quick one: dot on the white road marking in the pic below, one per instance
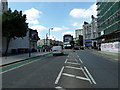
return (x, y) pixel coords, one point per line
(66, 60)
(73, 63)
(86, 75)
(76, 60)
(72, 59)
(73, 67)
(80, 60)
(59, 75)
(60, 88)
(90, 75)
(74, 76)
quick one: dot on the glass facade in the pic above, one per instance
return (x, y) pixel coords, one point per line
(108, 17)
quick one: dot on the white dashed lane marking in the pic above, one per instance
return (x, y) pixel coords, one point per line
(73, 67)
(70, 58)
(73, 63)
(74, 76)
(56, 81)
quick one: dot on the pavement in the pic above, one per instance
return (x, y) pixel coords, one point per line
(110, 55)
(20, 57)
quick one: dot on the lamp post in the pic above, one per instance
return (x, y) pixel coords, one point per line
(46, 37)
(49, 31)
(30, 43)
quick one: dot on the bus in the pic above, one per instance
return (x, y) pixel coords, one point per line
(66, 40)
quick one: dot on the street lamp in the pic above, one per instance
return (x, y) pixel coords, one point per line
(46, 37)
(49, 31)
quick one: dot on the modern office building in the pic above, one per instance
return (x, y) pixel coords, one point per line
(109, 24)
(109, 20)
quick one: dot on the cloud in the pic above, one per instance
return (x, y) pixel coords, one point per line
(60, 28)
(84, 13)
(70, 32)
(32, 15)
(77, 25)
(38, 27)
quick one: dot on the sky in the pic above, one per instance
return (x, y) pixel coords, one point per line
(63, 17)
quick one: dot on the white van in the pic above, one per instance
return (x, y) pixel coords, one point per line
(57, 50)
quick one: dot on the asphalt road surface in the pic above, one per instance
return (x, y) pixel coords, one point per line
(75, 69)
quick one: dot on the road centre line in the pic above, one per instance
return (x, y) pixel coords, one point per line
(86, 75)
(76, 60)
(78, 55)
(80, 60)
(59, 75)
(66, 60)
(74, 76)
(73, 67)
(73, 63)
(90, 75)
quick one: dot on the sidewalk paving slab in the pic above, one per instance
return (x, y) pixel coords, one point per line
(20, 57)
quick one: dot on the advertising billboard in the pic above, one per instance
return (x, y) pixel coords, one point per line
(68, 38)
(111, 47)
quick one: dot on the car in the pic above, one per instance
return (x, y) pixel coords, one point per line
(57, 50)
(76, 47)
(82, 47)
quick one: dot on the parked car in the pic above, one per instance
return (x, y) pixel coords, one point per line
(57, 50)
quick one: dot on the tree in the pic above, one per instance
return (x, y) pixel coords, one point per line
(72, 43)
(13, 26)
(80, 42)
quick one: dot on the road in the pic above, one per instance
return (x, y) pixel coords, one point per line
(75, 69)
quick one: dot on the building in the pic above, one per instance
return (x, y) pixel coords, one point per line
(109, 24)
(78, 35)
(90, 33)
(3, 5)
(87, 34)
(94, 32)
(22, 45)
(42, 42)
(78, 32)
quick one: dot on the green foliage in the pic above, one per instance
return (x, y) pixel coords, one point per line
(79, 42)
(14, 24)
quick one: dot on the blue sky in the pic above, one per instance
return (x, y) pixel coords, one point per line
(64, 17)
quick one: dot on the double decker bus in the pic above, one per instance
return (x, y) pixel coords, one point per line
(67, 38)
